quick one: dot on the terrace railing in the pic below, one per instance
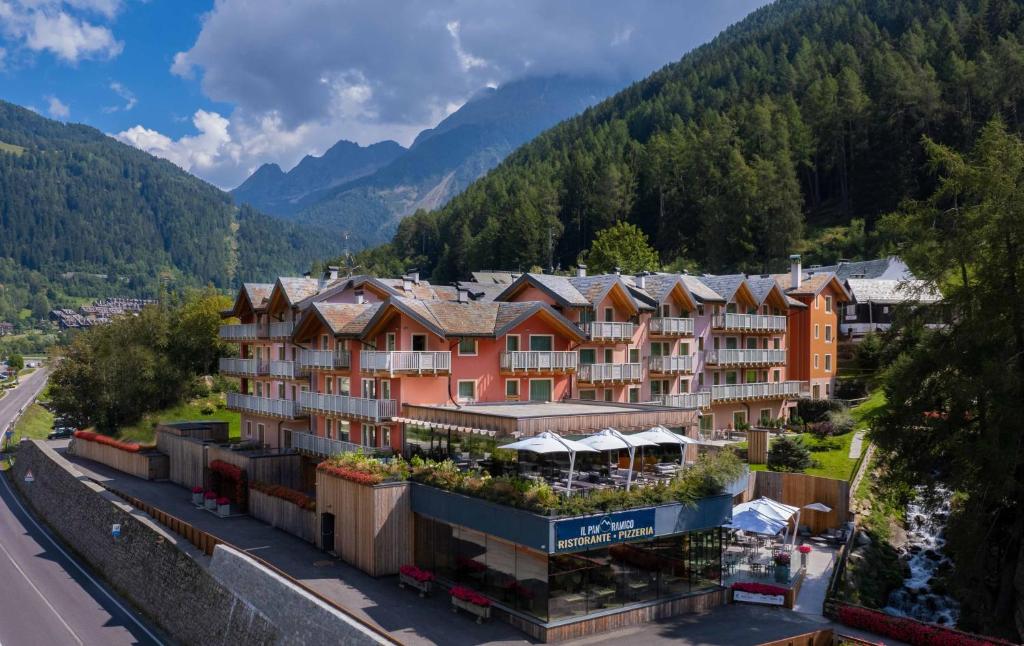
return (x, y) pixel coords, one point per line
(242, 332)
(537, 361)
(281, 329)
(405, 362)
(283, 408)
(371, 409)
(243, 367)
(673, 364)
(701, 399)
(325, 359)
(288, 369)
(325, 446)
(749, 322)
(610, 330)
(609, 372)
(666, 326)
(730, 357)
(760, 390)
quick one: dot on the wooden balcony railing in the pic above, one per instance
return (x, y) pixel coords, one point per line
(529, 361)
(283, 408)
(610, 372)
(670, 365)
(361, 407)
(405, 362)
(749, 322)
(665, 326)
(731, 357)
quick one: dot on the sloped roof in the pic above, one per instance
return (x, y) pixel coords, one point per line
(483, 292)
(701, 291)
(296, 290)
(595, 288)
(495, 277)
(891, 268)
(884, 291)
(558, 287)
(347, 319)
(473, 318)
(810, 284)
(257, 293)
(725, 286)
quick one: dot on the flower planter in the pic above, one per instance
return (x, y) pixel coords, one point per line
(197, 499)
(223, 510)
(782, 573)
(424, 587)
(481, 612)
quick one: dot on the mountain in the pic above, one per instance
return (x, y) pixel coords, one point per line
(74, 201)
(441, 162)
(793, 130)
(273, 191)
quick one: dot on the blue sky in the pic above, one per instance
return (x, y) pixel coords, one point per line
(222, 87)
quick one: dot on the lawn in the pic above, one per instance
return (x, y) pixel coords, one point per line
(11, 148)
(831, 454)
(35, 424)
(144, 432)
(866, 411)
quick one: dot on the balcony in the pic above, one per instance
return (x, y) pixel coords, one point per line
(325, 446)
(282, 408)
(610, 331)
(325, 359)
(670, 365)
(538, 362)
(241, 367)
(593, 373)
(691, 401)
(241, 332)
(663, 326)
(288, 370)
(370, 409)
(753, 323)
(745, 357)
(281, 329)
(406, 363)
(761, 390)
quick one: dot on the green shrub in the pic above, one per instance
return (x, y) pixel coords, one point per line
(789, 454)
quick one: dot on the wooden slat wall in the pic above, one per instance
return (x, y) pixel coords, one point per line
(373, 526)
(187, 457)
(272, 468)
(799, 489)
(283, 515)
(149, 466)
(206, 430)
(757, 446)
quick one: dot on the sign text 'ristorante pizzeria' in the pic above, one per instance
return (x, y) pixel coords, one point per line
(576, 534)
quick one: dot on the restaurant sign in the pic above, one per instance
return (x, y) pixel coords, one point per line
(574, 534)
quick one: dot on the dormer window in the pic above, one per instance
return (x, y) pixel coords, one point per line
(609, 314)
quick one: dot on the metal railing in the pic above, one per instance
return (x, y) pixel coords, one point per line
(325, 359)
(374, 409)
(729, 357)
(281, 329)
(235, 366)
(615, 330)
(288, 369)
(538, 361)
(759, 390)
(750, 322)
(598, 372)
(672, 326)
(670, 364)
(700, 399)
(285, 408)
(405, 362)
(325, 446)
(241, 332)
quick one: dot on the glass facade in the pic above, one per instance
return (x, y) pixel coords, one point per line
(560, 586)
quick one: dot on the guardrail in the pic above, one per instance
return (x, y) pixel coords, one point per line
(407, 361)
(602, 372)
(325, 359)
(760, 390)
(749, 322)
(285, 408)
(671, 326)
(751, 357)
(670, 364)
(325, 446)
(241, 332)
(700, 399)
(235, 366)
(374, 409)
(610, 330)
(288, 369)
(281, 329)
(538, 361)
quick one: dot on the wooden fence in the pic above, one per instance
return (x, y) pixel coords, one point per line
(274, 466)
(373, 526)
(187, 456)
(149, 465)
(284, 515)
(799, 489)
(200, 430)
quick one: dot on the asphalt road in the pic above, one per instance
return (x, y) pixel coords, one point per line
(46, 596)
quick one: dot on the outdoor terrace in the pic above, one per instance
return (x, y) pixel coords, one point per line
(538, 362)
(242, 332)
(610, 331)
(281, 329)
(692, 401)
(760, 390)
(370, 409)
(288, 370)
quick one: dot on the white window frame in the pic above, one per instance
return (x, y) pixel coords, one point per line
(629, 394)
(609, 314)
(385, 389)
(329, 428)
(828, 334)
(366, 433)
(541, 336)
(547, 379)
(476, 347)
(458, 390)
(390, 341)
(248, 428)
(815, 360)
(828, 304)
(828, 362)
(517, 394)
(261, 432)
(519, 342)
(816, 331)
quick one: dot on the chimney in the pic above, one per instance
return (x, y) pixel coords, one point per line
(618, 271)
(360, 299)
(414, 276)
(407, 283)
(795, 273)
(463, 294)
(641, 280)
(581, 270)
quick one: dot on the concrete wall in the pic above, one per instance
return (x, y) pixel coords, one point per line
(300, 617)
(145, 565)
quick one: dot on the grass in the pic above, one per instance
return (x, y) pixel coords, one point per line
(868, 410)
(832, 455)
(11, 148)
(35, 424)
(144, 433)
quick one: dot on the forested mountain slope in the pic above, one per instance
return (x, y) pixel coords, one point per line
(74, 199)
(804, 116)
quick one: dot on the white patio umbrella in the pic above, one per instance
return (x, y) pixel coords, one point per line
(814, 506)
(755, 523)
(661, 435)
(769, 508)
(548, 442)
(611, 440)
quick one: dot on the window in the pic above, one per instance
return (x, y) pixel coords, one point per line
(817, 303)
(280, 353)
(540, 390)
(261, 431)
(659, 387)
(731, 378)
(389, 342)
(666, 310)
(329, 385)
(661, 349)
(343, 430)
(280, 391)
(828, 304)
(828, 363)
(542, 343)
(815, 361)
(341, 386)
(248, 429)
(588, 395)
(512, 389)
(419, 342)
(324, 342)
(634, 395)
(776, 375)
(700, 379)
(684, 385)
(715, 378)
(634, 355)
(259, 388)
(609, 355)
(739, 418)
(609, 314)
(467, 348)
(369, 435)
(329, 428)
(700, 310)
(467, 390)
(608, 394)
(815, 330)
(385, 436)
(828, 390)
(828, 334)
(750, 377)
(368, 389)
(777, 343)
(588, 356)
(385, 389)
(512, 343)
(700, 344)
(764, 416)
(707, 422)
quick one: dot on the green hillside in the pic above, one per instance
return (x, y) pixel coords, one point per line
(75, 200)
(794, 130)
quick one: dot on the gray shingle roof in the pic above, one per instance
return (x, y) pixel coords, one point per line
(701, 291)
(884, 291)
(724, 286)
(889, 268)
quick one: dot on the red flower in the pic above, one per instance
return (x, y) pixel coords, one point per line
(470, 596)
(758, 588)
(226, 469)
(90, 436)
(804, 549)
(353, 475)
(414, 572)
(284, 493)
(223, 501)
(909, 630)
(210, 495)
(197, 489)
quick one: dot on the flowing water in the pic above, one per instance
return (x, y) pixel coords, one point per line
(923, 555)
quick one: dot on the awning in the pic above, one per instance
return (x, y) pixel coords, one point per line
(446, 427)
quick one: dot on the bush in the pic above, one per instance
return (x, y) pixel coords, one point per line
(789, 454)
(815, 410)
(130, 447)
(207, 410)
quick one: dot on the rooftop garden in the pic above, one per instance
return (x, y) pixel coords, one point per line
(708, 477)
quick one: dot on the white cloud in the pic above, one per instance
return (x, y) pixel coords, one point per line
(57, 108)
(129, 98)
(194, 153)
(57, 27)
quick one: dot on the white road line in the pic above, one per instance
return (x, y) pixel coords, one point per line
(67, 556)
(40, 593)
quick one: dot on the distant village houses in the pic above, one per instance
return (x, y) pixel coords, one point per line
(6, 328)
(100, 312)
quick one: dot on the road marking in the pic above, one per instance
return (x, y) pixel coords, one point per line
(253, 549)
(67, 556)
(40, 593)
